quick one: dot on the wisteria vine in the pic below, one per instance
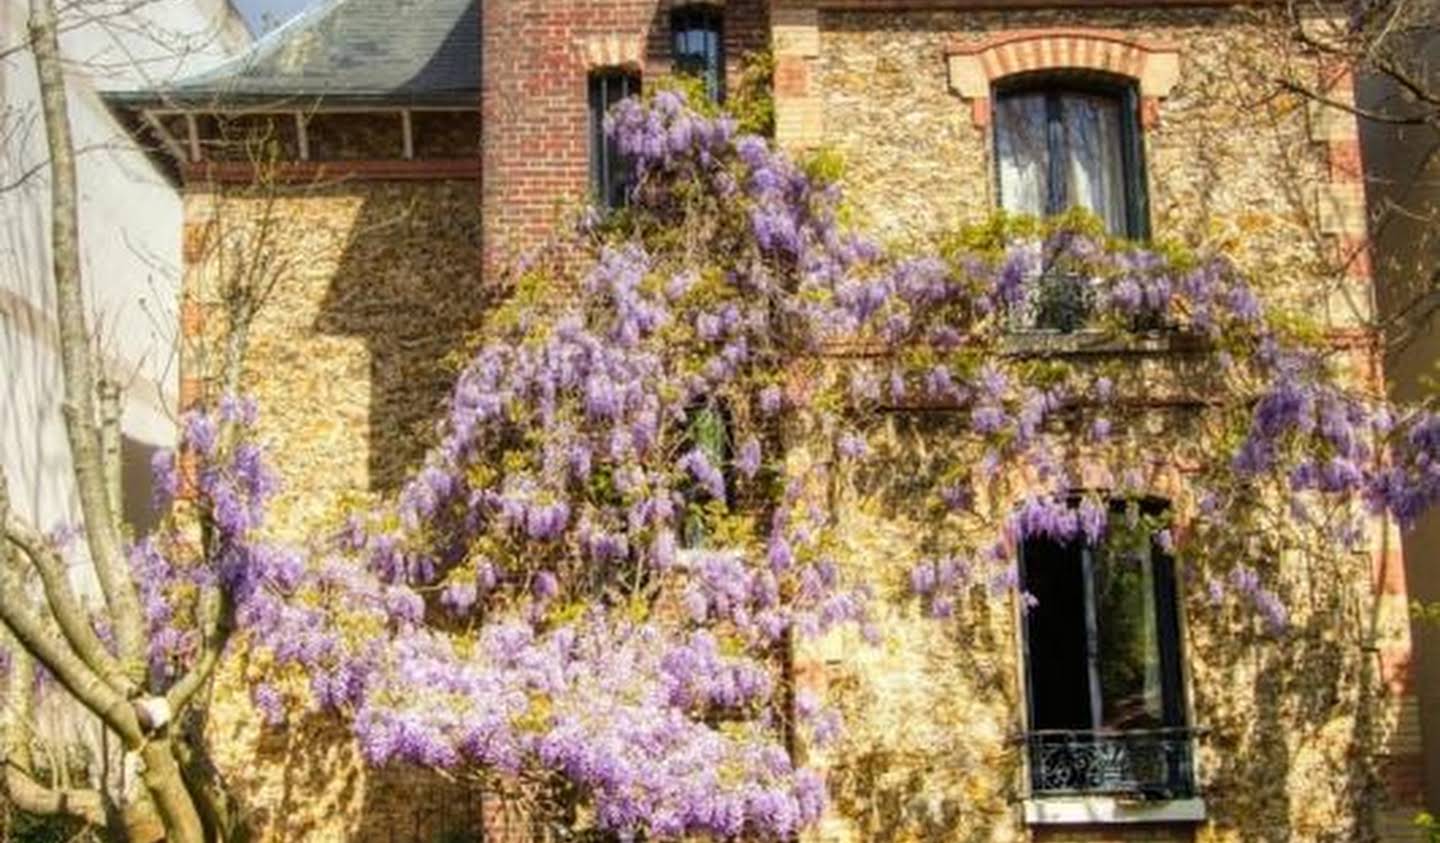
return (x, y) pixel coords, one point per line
(536, 576)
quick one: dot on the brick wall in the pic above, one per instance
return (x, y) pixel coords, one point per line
(537, 55)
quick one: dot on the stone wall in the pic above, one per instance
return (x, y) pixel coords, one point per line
(377, 290)
(1311, 738)
(1230, 162)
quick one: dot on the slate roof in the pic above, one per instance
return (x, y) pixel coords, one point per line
(355, 51)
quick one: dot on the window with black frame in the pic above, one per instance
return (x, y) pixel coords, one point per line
(609, 171)
(1104, 680)
(1070, 142)
(699, 45)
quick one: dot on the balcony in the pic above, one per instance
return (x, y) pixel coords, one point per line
(1056, 302)
(1150, 764)
(1061, 301)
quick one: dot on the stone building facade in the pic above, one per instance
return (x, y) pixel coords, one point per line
(397, 195)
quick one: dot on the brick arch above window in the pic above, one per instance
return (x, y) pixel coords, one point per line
(975, 67)
(597, 52)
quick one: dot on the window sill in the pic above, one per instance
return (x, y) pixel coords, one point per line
(1100, 810)
(1040, 343)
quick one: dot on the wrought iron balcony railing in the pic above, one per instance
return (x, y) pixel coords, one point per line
(1056, 301)
(1150, 764)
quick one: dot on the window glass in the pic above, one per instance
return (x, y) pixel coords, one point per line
(1128, 641)
(609, 171)
(1022, 151)
(1094, 159)
(1059, 662)
(1057, 148)
(1102, 640)
(698, 46)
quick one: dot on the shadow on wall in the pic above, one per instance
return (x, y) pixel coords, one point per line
(1291, 725)
(408, 284)
(138, 484)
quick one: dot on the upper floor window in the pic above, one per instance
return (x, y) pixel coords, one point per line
(1071, 144)
(609, 171)
(1102, 651)
(699, 45)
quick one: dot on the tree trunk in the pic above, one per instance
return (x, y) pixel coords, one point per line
(94, 487)
(172, 799)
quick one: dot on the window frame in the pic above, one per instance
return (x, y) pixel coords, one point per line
(1056, 84)
(610, 173)
(700, 17)
(1176, 716)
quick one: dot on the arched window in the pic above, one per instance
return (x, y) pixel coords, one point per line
(609, 171)
(699, 45)
(1071, 141)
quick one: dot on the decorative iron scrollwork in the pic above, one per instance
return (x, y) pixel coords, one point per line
(1054, 301)
(1152, 764)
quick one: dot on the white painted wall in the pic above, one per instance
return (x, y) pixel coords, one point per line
(130, 225)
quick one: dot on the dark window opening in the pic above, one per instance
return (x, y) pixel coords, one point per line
(1102, 644)
(610, 172)
(699, 48)
(707, 429)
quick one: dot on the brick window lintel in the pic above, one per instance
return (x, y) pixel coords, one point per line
(974, 67)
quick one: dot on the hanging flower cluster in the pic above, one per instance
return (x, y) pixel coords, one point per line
(530, 604)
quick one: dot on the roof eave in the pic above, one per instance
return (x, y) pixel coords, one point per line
(220, 100)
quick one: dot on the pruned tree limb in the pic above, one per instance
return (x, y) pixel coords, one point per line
(32, 797)
(67, 668)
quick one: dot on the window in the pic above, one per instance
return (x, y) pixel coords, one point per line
(1076, 144)
(699, 45)
(1102, 651)
(707, 429)
(609, 171)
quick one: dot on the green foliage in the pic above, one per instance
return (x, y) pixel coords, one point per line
(824, 165)
(1429, 827)
(994, 234)
(1425, 613)
(691, 87)
(752, 102)
(21, 827)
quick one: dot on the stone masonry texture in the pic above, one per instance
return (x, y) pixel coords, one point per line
(1311, 739)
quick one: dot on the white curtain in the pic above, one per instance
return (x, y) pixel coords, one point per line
(1022, 152)
(1095, 170)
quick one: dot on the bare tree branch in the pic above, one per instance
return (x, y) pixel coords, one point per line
(1366, 113)
(69, 614)
(17, 780)
(101, 524)
(41, 643)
